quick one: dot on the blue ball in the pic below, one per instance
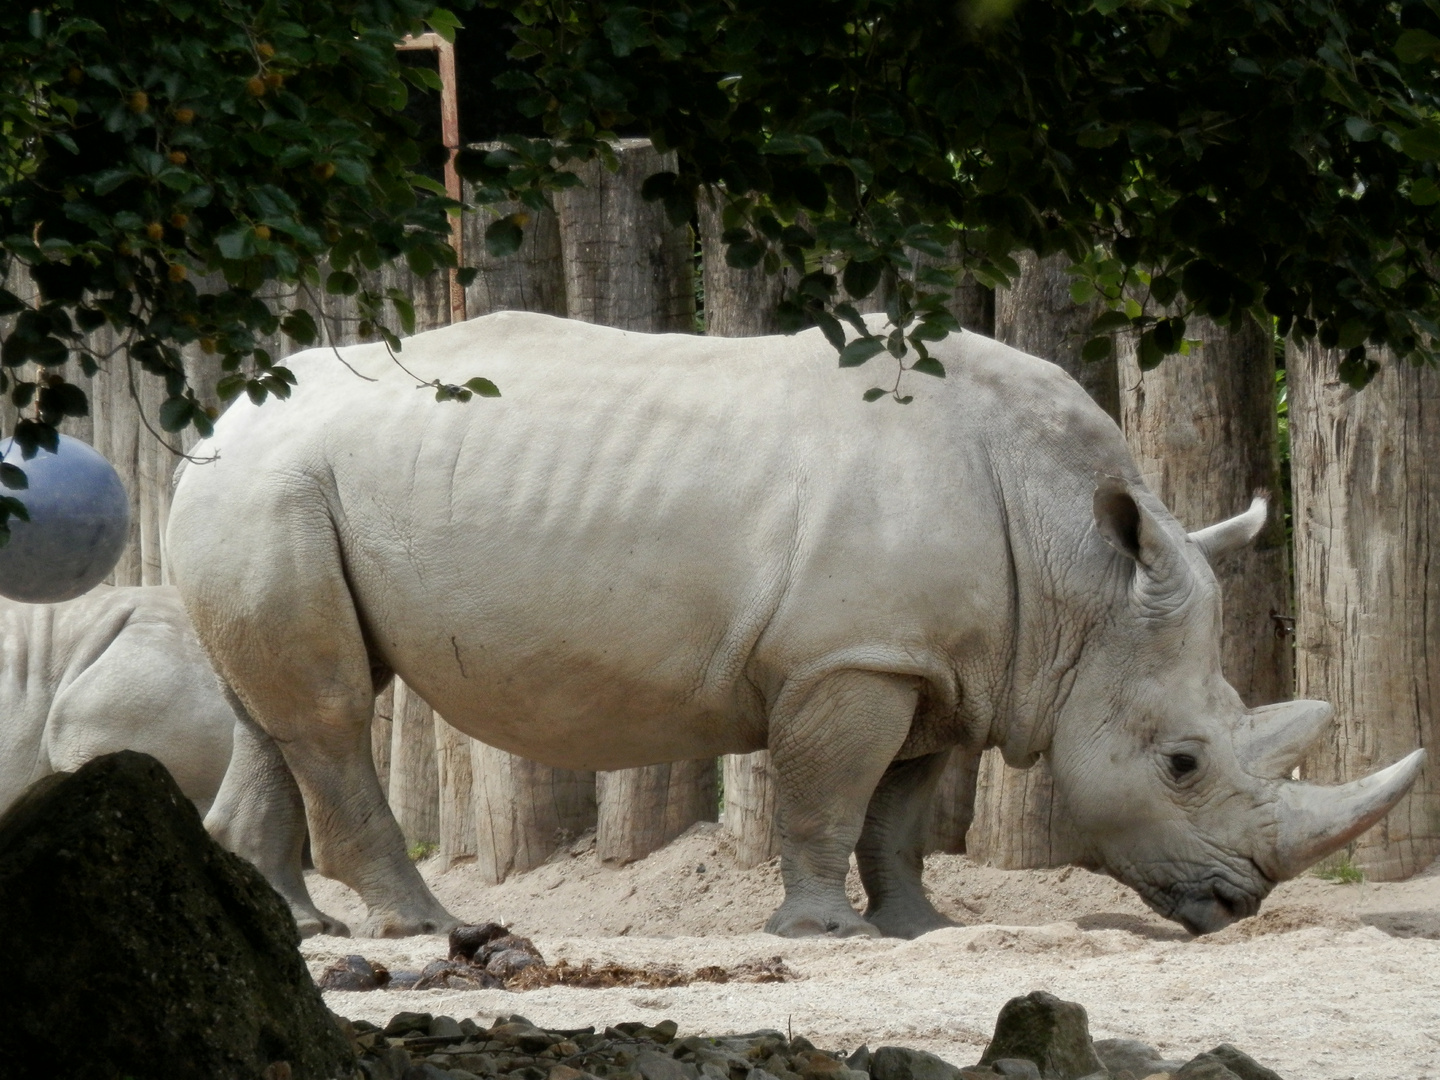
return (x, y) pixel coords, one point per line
(79, 522)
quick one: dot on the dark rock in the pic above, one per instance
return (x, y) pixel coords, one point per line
(403, 980)
(1241, 1064)
(353, 973)
(466, 941)
(135, 945)
(655, 1066)
(1020, 1068)
(859, 1060)
(1130, 1059)
(898, 1063)
(455, 975)
(1054, 1034)
(407, 1023)
(1204, 1067)
(509, 962)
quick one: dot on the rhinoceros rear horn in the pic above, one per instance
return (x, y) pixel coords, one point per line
(1271, 740)
(1316, 820)
(1233, 533)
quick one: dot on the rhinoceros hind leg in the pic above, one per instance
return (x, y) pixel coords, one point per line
(830, 743)
(891, 851)
(258, 814)
(278, 617)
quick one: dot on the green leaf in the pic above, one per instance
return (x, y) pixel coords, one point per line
(1422, 142)
(1360, 130)
(342, 283)
(13, 477)
(745, 255)
(928, 365)
(875, 393)
(175, 413)
(503, 237)
(483, 387)
(110, 179)
(1424, 191)
(861, 278)
(1415, 45)
(1097, 349)
(1082, 291)
(860, 350)
(1110, 321)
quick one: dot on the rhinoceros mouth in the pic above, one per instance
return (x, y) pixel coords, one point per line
(1206, 904)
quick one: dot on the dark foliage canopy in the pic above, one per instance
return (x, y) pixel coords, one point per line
(1236, 158)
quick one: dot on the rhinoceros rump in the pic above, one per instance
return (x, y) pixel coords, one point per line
(120, 669)
(655, 548)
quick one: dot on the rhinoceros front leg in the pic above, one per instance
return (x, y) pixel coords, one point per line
(830, 744)
(259, 815)
(891, 851)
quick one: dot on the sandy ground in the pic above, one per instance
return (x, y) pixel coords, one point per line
(1328, 982)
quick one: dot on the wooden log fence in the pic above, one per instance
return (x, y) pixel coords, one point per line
(1366, 602)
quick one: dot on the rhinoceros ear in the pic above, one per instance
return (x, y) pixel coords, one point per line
(1131, 529)
(1233, 533)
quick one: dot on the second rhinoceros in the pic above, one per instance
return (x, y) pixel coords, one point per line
(655, 548)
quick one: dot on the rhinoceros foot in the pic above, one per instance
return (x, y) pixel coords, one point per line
(312, 921)
(908, 921)
(810, 920)
(389, 924)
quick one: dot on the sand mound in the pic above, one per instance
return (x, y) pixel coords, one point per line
(1328, 982)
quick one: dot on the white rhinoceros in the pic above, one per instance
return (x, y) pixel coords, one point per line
(655, 548)
(120, 669)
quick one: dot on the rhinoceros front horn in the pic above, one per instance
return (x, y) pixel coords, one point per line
(1316, 820)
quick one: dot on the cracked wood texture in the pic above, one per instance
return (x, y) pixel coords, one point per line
(1366, 477)
(1203, 433)
(1016, 824)
(642, 810)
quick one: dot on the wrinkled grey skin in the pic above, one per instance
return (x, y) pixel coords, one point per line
(120, 669)
(115, 669)
(659, 548)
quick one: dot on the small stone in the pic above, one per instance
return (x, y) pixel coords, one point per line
(407, 1023)
(1204, 1067)
(1131, 1059)
(403, 980)
(655, 1066)
(1241, 1064)
(462, 1074)
(445, 1026)
(353, 973)
(898, 1063)
(565, 1072)
(1053, 1034)
(425, 1071)
(859, 1060)
(1020, 1068)
(466, 941)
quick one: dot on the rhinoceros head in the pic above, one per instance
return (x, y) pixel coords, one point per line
(1172, 785)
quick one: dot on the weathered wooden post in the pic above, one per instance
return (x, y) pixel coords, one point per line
(1365, 468)
(414, 775)
(524, 811)
(455, 779)
(1015, 826)
(1203, 433)
(626, 266)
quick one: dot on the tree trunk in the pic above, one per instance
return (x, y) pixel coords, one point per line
(738, 303)
(625, 264)
(1203, 433)
(1015, 826)
(524, 810)
(954, 807)
(531, 279)
(752, 807)
(1366, 474)
(457, 804)
(414, 778)
(642, 810)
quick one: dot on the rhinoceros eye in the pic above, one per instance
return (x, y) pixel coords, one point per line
(1181, 765)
